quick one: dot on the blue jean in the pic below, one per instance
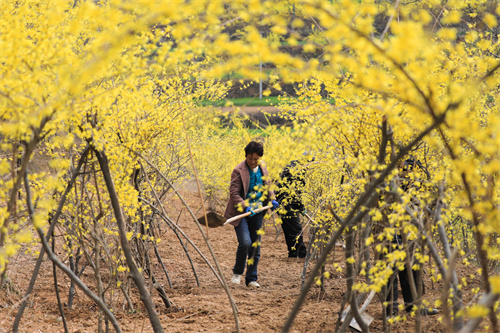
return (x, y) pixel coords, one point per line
(246, 232)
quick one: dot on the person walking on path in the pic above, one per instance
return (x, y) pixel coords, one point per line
(288, 193)
(249, 190)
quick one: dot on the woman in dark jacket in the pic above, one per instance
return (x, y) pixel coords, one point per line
(247, 192)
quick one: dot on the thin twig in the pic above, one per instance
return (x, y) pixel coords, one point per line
(222, 280)
(53, 223)
(65, 268)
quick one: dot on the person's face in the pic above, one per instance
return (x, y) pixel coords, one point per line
(253, 160)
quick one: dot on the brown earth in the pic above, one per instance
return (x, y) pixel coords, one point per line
(204, 307)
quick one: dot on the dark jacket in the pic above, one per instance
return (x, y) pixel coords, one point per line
(289, 188)
(238, 190)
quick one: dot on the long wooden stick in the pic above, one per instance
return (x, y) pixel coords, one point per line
(237, 217)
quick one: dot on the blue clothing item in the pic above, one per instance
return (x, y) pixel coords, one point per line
(275, 204)
(246, 232)
(255, 188)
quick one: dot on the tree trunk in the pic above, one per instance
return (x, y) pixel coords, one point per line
(127, 251)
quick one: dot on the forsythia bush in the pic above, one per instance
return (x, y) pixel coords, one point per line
(377, 83)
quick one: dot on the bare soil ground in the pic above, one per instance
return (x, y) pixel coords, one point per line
(203, 308)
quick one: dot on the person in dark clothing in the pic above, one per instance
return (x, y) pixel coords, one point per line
(403, 276)
(404, 282)
(288, 194)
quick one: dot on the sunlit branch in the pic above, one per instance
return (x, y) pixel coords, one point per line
(65, 268)
(233, 304)
(53, 223)
(357, 212)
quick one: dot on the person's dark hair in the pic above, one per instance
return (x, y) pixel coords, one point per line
(254, 147)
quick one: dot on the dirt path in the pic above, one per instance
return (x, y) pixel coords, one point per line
(203, 308)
